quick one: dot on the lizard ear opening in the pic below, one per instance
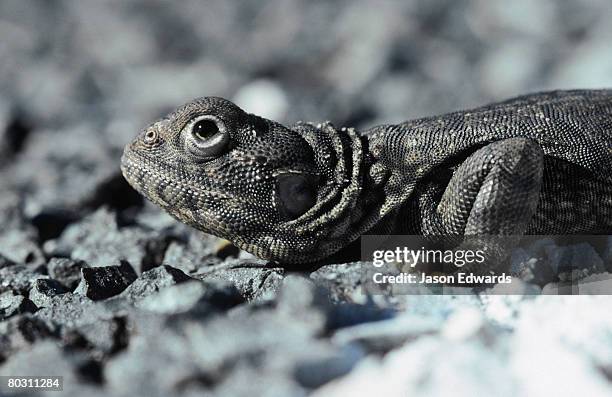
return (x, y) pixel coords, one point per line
(295, 194)
(206, 137)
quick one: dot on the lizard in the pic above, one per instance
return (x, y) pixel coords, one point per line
(535, 164)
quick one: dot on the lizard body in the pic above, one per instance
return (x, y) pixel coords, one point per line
(536, 164)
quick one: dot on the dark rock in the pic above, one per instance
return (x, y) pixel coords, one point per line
(114, 193)
(14, 132)
(50, 223)
(44, 289)
(103, 282)
(67, 271)
(12, 303)
(152, 281)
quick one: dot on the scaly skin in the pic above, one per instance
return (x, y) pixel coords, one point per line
(537, 164)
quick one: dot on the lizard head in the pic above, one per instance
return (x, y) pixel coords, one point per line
(285, 194)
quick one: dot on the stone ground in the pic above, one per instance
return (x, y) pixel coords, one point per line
(102, 288)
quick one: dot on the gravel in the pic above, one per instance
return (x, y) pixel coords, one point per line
(101, 287)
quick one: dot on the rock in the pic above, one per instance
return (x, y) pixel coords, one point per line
(47, 358)
(49, 222)
(20, 246)
(342, 280)
(98, 240)
(575, 261)
(77, 160)
(253, 280)
(18, 278)
(66, 271)
(12, 303)
(349, 314)
(561, 288)
(14, 131)
(44, 289)
(152, 281)
(103, 338)
(297, 293)
(71, 310)
(437, 367)
(84, 325)
(252, 327)
(103, 282)
(316, 371)
(574, 343)
(595, 284)
(382, 336)
(533, 270)
(21, 331)
(304, 302)
(607, 255)
(464, 324)
(190, 256)
(516, 286)
(136, 369)
(240, 383)
(5, 262)
(11, 210)
(192, 296)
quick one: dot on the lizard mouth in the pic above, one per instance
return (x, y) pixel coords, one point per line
(153, 181)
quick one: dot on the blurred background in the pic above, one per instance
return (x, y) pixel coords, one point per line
(78, 79)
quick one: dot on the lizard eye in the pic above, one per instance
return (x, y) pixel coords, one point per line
(296, 194)
(206, 137)
(150, 136)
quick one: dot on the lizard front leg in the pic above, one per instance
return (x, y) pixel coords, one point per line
(494, 191)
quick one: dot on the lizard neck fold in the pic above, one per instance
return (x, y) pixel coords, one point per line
(339, 157)
(349, 198)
